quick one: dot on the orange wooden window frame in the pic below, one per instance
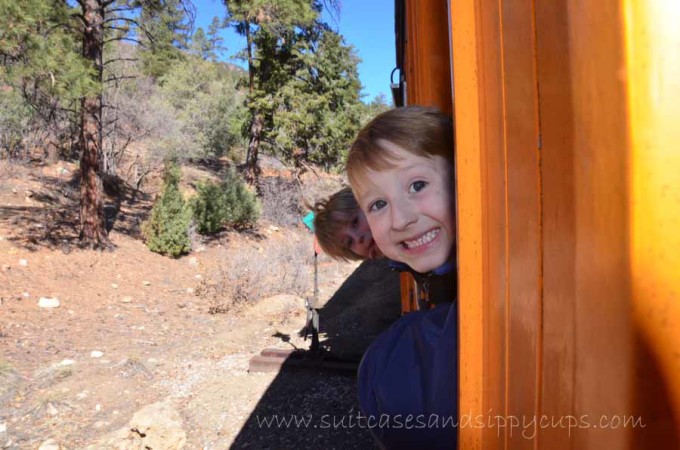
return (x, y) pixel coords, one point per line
(566, 127)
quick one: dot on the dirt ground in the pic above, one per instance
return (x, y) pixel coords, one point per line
(132, 329)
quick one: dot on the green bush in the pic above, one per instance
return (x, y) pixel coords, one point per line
(228, 204)
(167, 230)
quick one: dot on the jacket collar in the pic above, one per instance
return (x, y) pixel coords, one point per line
(444, 269)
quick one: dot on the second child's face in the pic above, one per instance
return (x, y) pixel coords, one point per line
(357, 237)
(409, 209)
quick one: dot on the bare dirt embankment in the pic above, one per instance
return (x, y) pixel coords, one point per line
(133, 328)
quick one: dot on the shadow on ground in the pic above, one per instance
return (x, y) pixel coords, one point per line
(52, 219)
(311, 408)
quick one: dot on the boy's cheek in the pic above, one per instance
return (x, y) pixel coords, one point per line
(384, 247)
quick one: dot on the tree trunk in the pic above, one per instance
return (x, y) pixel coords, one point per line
(92, 223)
(252, 170)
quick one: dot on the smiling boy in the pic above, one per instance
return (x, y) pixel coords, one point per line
(341, 228)
(408, 207)
(401, 170)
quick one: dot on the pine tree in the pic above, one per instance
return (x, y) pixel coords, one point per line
(41, 59)
(167, 230)
(269, 29)
(304, 90)
(318, 111)
(53, 46)
(165, 27)
(215, 40)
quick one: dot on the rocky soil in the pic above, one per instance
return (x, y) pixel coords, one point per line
(119, 349)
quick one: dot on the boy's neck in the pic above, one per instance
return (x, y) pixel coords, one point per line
(445, 268)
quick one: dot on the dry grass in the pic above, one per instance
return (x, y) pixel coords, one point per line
(315, 188)
(282, 264)
(281, 201)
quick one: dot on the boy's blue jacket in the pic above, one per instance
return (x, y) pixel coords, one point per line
(408, 379)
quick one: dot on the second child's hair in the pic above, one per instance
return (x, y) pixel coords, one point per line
(419, 130)
(330, 217)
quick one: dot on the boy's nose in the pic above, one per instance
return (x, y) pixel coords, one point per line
(402, 216)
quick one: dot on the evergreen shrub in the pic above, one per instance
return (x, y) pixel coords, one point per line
(227, 204)
(167, 230)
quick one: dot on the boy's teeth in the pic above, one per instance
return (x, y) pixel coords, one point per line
(422, 240)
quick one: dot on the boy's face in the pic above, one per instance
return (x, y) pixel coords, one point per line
(357, 237)
(410, 210)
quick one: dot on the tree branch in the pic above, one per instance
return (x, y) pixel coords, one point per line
(123, 77)
(106, 41)
(109, 61)
(121, 9)
(124, 19)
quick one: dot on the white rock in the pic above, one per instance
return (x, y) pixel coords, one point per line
(126, 299)
(23, 262)
(98, 407)
(3, 427)
(25, 294)
(66, 362)
(198, 276)
(190, 290)
(114, 285)
(146, 283)
(193, 261)
(52, 410)
(96, 354)
(47, 302)
(157, 426)
(49, 444)
(161, 425)
(81, 395)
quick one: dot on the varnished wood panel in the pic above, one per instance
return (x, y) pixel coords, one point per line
(427, 60)
(523, 209)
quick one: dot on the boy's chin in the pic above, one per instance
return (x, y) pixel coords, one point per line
(423, 268)
(424, 265)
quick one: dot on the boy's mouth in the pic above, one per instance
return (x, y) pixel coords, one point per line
(422, 240)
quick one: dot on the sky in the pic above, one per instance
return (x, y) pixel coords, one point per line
(368, 25)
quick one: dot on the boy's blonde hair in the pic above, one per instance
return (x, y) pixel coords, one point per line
(419, 130)
(330, 217)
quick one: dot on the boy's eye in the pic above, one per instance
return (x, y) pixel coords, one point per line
(379, 204)
(417, 186)
(355, 222)
(348, 243)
